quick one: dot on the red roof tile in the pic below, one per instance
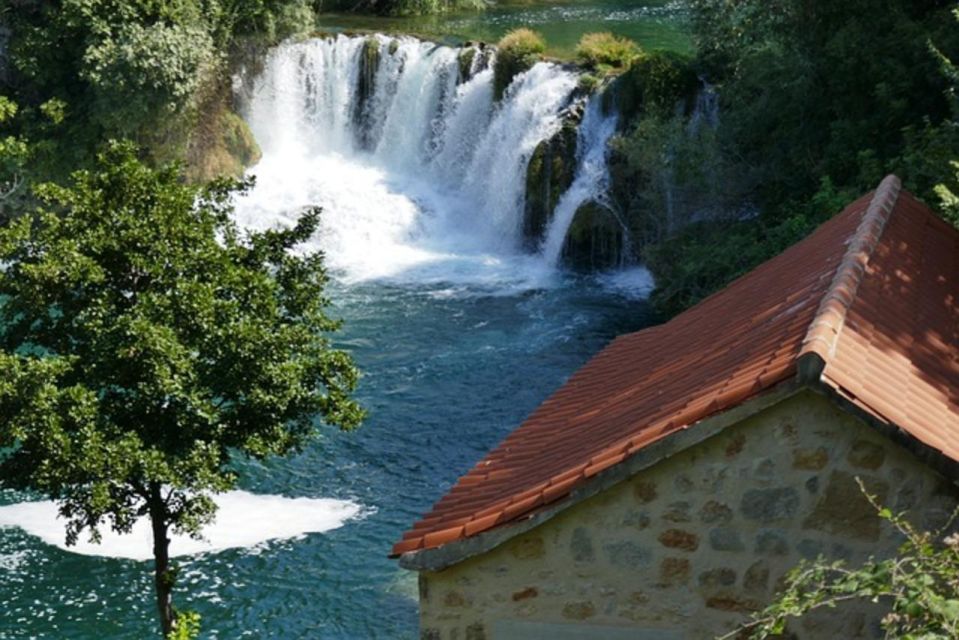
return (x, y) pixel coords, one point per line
(873, 295)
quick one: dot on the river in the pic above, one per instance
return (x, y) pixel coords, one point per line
(460, 331)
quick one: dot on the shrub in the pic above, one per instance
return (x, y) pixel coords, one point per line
(141, 74)
(606, 52)
(518, 50)
(655, 81)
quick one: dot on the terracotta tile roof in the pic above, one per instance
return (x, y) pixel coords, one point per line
(871, 296)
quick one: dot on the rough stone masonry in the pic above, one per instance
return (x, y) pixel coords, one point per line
(694, 543)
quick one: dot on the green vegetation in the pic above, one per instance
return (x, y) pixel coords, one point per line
(818, 102)
(920, 586)
(83, 72)
(515, 53)
(145, 342)
(605, 52)
(14, 153)
(655, 84)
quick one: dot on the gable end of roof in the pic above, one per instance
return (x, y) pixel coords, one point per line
(819, 343)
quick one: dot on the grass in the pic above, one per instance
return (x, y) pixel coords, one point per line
(516, 52)
(606, 52)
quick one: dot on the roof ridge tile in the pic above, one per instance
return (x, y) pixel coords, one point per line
(819, 344)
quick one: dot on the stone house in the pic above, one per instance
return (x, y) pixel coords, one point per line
(667, 486)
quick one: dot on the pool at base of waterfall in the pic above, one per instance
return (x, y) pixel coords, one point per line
(459, 327)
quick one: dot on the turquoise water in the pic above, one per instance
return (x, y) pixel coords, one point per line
(654, 24)
(448, 373)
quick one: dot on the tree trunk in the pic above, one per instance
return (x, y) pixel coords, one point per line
(163, 576)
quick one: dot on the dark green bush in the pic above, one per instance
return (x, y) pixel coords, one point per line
(655, 81)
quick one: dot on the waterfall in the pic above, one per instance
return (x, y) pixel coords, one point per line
(420, 173)
(592, 176)
(706, 110)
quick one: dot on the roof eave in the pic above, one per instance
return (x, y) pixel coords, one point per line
(439, 558)
(929, 456)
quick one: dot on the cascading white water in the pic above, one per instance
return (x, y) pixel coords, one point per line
(423, 180)
(592, 176)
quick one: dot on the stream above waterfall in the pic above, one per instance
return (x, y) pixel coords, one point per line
(653, 24)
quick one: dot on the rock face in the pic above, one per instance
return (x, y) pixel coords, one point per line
(595, 240)
(366, 84)
(549, 174)
(657, 81)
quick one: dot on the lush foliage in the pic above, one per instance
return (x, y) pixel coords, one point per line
(125, 68)
(14, 153)
(819, 100)
(606, 52)
(920, 587)
(146, 341)
(516, 52)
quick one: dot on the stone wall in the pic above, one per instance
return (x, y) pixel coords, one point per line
(697, 541)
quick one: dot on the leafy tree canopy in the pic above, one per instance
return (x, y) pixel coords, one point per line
(145, 341)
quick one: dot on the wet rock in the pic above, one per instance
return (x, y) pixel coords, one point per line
(595, 240)
(365, 87)
(465, 63)
(549, 174)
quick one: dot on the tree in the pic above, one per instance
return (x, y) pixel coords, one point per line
(920, 585)
(145, 341)
(14, 153)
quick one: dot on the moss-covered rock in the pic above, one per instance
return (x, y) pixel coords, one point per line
(655, 81)
(549, 174)
(465, 61)
(221, 146)
(366, 86)
(595, 239)
(516, 52)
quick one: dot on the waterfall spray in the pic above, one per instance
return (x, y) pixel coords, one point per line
(420, 173)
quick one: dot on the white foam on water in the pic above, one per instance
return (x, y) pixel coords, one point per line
(633, 283)
(243, 520)
(422, 185)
